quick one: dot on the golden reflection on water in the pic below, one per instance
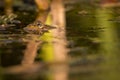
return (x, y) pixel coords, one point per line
(8, 6)
(108, 69)
(108, 47)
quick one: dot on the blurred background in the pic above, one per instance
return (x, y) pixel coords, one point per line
(84, 45)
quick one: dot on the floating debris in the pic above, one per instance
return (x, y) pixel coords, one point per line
(7, 21)
(83, 12)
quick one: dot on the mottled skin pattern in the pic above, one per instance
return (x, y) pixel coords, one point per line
(37, 27)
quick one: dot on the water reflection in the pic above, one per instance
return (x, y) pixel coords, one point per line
(109, 44)
(94, 49)
(102, 62)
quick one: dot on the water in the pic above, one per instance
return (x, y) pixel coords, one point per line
(93, 36)
(94, 42)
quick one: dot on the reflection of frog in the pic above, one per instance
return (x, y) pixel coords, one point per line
(38, 27)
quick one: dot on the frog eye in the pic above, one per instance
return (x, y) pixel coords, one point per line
(39, 24)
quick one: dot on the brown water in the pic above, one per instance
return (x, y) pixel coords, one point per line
(93, 36)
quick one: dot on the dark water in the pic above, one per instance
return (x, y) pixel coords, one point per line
(93, 36)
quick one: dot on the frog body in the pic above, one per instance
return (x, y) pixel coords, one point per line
(38, 27)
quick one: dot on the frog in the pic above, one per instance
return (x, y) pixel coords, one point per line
(38, 28)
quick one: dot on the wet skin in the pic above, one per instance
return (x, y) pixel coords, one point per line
(38, 27)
